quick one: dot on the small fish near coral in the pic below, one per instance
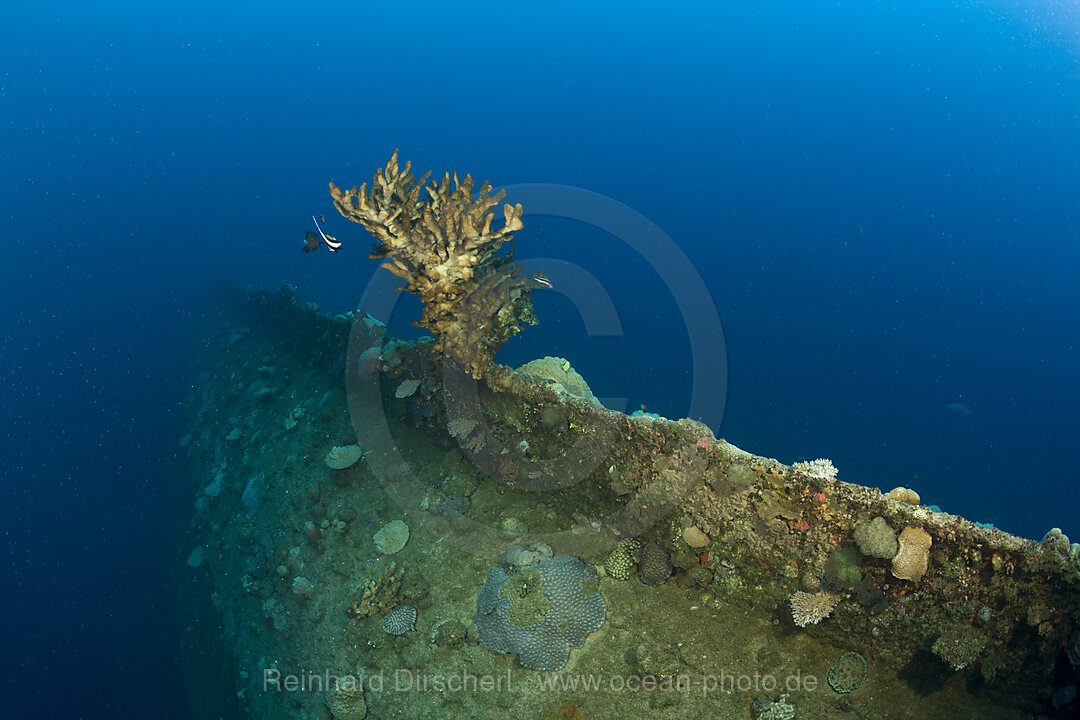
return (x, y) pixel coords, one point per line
(312, 240)
(541, 280)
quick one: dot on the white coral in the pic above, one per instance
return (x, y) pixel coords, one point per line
(820, 469)
(812, 608)
(406, 389)
(343, 456)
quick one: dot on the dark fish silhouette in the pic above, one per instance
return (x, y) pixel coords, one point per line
(958, 408)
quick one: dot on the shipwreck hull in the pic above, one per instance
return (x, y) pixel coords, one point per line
(285, 541)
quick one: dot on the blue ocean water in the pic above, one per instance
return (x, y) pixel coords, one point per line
(881, 200)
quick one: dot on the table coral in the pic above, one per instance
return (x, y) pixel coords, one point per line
(392, 537)
(343, 456)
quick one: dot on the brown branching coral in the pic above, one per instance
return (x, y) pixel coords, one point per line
(439, 238)
(378, 595)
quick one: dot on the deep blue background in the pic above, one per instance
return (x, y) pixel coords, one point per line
(882, 200)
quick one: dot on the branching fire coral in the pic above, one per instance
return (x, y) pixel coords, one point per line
(438, 238)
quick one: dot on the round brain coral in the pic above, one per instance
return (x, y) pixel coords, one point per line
(876, 539)
(620, 561)
(905, 495)
(655, 565)
(400, 620)
(848, 673)
(913, 558)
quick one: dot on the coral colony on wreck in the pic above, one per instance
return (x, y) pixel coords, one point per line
(575, 539)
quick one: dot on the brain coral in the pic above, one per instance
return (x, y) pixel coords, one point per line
(876, 539)
(779, 710)
(914, 556)
(848, 673)
(400, 620)
(655, 565)
(905, 495)
(620, 561)
(540, 612)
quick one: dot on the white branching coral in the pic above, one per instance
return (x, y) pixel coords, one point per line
(820, 469)
(812, 608)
